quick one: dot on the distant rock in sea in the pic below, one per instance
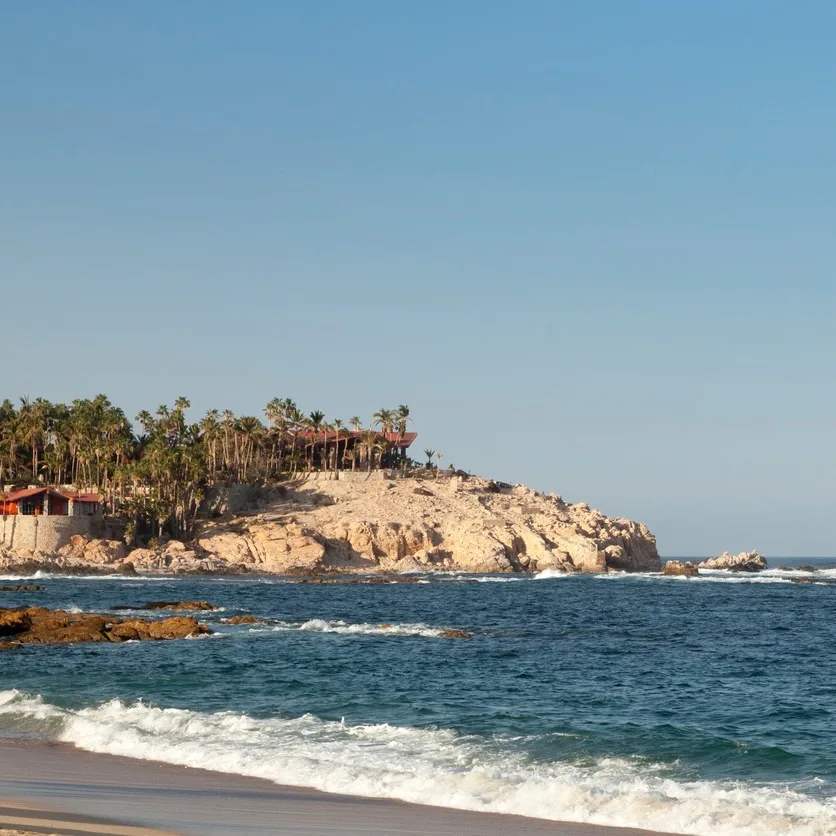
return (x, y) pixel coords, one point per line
(743, 562)
(677, 567)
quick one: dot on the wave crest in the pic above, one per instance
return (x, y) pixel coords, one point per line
(427, 766)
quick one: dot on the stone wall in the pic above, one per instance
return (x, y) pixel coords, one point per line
(347, 475)
(24, 533)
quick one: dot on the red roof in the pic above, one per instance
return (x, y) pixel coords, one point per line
(16, 496)
(84, 497)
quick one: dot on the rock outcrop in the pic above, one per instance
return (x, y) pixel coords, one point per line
(95, 552)
(743, 562)
(456, 523)
(38, 625)
(245, 619)
(170, 605)
(677, 567)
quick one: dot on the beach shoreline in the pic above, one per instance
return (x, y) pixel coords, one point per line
(150, 798)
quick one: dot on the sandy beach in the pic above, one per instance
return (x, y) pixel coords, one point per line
(55, 788)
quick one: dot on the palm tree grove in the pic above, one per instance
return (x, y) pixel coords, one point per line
(155, 473)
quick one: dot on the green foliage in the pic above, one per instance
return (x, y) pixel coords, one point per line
(156, 476)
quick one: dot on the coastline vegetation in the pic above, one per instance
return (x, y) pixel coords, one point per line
(156, 474)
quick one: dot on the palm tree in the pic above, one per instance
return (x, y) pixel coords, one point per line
(316, 424)
(251, 431)
(276, 414)
(228, 424)
(210, 428)
(429, 454)
(338, 425)
(401, 420)
(8, 441)
(370, 443)
(295, 422)
(385, 419)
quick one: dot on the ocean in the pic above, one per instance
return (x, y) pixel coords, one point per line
(700, 706)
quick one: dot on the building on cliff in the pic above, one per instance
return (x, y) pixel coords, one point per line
(45, 520)
(49, 503)
(324, 445)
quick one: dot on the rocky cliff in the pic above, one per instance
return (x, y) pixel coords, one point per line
(400, 525)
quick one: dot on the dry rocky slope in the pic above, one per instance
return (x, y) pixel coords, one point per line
(383, 525)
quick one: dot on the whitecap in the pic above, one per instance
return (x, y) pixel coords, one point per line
(319, 625)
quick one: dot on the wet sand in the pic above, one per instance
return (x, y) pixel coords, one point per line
(55, 788)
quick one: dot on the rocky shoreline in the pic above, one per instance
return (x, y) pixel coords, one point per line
(316, 527)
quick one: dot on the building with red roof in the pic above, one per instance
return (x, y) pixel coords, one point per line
(49, 502)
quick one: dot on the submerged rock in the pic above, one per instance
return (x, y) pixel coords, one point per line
(21, 587)
(204, 606)
(743, 562)
(677, 567)
(244, 619)
(38, 625)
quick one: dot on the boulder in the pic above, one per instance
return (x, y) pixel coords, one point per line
(93, 551)
(454, 634)
(677, 567)
(743, 562)
(178, 627)
(244, 619)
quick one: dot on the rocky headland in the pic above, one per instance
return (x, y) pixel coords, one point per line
(319, 525)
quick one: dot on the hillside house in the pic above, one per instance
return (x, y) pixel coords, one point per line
(49, 502)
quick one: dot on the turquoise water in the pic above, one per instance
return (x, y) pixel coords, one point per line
(697, 706)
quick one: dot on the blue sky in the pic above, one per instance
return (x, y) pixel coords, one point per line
(589, 243)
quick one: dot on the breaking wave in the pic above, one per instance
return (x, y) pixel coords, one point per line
(425, 765)
(318, 625)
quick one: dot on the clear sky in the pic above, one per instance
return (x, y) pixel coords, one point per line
(591, 244)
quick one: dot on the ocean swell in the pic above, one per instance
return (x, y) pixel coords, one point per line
(424, 765)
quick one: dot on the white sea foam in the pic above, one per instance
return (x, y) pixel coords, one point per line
(427, 766)
(715, 576)
(550, 574)
(319, 625)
